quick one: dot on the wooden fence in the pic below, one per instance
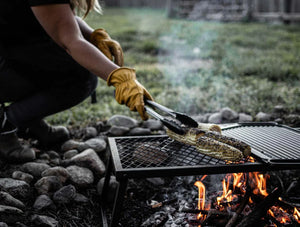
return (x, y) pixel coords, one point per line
(226, 10)
(136, 3)
(285, 10)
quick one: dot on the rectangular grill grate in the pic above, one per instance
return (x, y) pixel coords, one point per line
(271, 141)
(274, 147)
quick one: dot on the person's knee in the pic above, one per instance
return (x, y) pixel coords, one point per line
(83, 86)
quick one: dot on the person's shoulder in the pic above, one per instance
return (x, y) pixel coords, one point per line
(44, 2)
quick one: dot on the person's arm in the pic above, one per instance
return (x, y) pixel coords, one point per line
(85, 29)
(60, 23)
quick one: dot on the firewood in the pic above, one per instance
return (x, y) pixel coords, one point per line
(260, 210)
(211, 212)
(244, 202)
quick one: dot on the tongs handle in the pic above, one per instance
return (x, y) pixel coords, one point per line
(161, 107)
(183, 118)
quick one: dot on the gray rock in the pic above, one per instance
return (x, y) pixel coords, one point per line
(47, 185)
(34, 168)
(73, 144)
(293, 120)
(153, 125)
(120, 120)
(90, 132)
(55, 162)
(16, 188)
(206, 117)
(157, 181)
(97, 144)
(65, 194)
(44, 161)
(138, 131)
(53, 154)
(118, 130)
(100, 126)
(44, 156)
(19, 175)
(263, 117)
(42, 220)
(8, 200)
(11, 214)
(112, 188)
(215, 118)
(200, 118)
(89, 159)
(58, 171)
(43, 202)
(228, 114)
(69, 154)
(279, 120)
(80, 176)
(245, 118)
(297, 109)
(79, 198)
(280, 109)
(3, 224)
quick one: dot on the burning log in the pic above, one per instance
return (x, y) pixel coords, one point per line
(244, 202)
(211, 212)
(287, 205)
(213, 217)
(260, 210)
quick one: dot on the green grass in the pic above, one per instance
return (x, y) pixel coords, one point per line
(198, 67)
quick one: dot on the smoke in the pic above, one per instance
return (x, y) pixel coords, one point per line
(185, 61)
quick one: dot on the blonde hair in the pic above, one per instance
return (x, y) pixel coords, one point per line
(85, 6)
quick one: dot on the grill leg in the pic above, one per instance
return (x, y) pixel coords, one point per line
(118, 204)
(107, 178)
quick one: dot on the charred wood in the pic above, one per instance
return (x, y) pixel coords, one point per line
(206, 212)
(287, 205)
(236, 215)
(260, 210)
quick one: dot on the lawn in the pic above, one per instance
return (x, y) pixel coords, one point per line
(197, 67)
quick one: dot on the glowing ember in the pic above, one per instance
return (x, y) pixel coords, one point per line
(279, 214)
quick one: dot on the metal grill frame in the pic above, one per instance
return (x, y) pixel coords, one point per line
(114, 165)
(165, 171)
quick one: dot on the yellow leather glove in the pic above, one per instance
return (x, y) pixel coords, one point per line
(109, 47)
(128, 90)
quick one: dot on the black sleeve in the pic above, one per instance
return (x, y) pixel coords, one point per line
(44, 2)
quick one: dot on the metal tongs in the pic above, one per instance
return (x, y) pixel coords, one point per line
(173, 126)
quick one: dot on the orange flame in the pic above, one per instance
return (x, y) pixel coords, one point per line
(237, 180)
(260, 184)
(296, 215)
(227, 194)
(201, 197)
(201, 194)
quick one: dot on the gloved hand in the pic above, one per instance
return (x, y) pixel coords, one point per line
(128, 90)
(109, 47)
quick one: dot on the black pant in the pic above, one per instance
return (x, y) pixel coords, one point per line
(38, 87)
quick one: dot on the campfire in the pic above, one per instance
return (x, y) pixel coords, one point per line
(244, 199)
